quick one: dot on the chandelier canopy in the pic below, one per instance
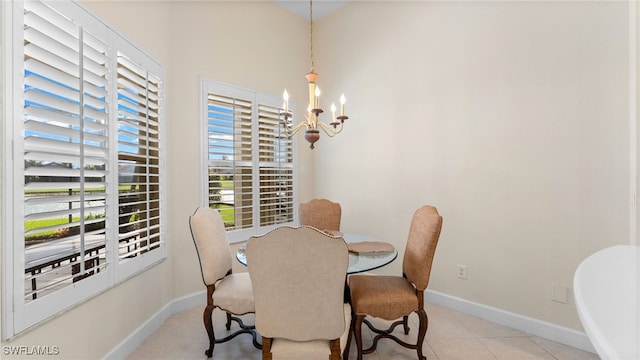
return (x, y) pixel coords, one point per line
(311, 124)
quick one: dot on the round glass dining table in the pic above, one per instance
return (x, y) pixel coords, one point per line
(358, 262)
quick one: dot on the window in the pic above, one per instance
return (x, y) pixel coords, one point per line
(83, 117)
(248, 159)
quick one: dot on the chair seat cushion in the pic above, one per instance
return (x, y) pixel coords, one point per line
(283, 349)
(386, 297)
(234, 294)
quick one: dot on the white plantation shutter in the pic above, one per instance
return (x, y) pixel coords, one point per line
(229, 152)
(249, 161)
(65, 151)
(83, 196)
(138, 160)
(276, 168)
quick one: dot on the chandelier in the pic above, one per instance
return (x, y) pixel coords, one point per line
(311, 124)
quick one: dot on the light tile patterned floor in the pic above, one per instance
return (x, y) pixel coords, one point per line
(451, 336)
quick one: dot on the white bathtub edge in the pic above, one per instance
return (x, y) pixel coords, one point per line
(607, 280)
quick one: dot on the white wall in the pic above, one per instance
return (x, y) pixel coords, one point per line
(512, 118)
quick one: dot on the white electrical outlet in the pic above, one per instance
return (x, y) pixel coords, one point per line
(559, 293)
(462, 272)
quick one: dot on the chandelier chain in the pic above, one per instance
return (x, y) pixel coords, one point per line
(313, 67)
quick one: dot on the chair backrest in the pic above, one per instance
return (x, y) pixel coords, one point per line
(421, 246)
(210, 238)
(298, 277)
(322, 214)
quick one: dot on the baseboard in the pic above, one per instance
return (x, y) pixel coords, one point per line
(138, 336)
(525, 324)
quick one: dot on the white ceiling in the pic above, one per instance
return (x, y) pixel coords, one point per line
(321, 8)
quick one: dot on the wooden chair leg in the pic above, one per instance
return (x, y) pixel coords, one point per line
(422, 331)
(228, 321)
(345, 354)
(388, 334)
(334, 345)
(266, 349)
(208, 325)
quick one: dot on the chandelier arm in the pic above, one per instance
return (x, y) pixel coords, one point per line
(329, 130)
(293, 131)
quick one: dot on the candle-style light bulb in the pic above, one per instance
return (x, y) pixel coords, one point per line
(317, 103)
(285, 96)
(342, 101)
(333, 111)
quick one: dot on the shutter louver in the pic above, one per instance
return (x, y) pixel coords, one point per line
(276, 168)
(65, 151)
(229, 154)
(138, 160)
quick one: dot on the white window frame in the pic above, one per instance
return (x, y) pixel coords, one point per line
(212, 86)
(18, 314)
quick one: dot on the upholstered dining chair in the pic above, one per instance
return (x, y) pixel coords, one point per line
(322, 214)
(227, 291)
(298, 277)
(396, 297)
